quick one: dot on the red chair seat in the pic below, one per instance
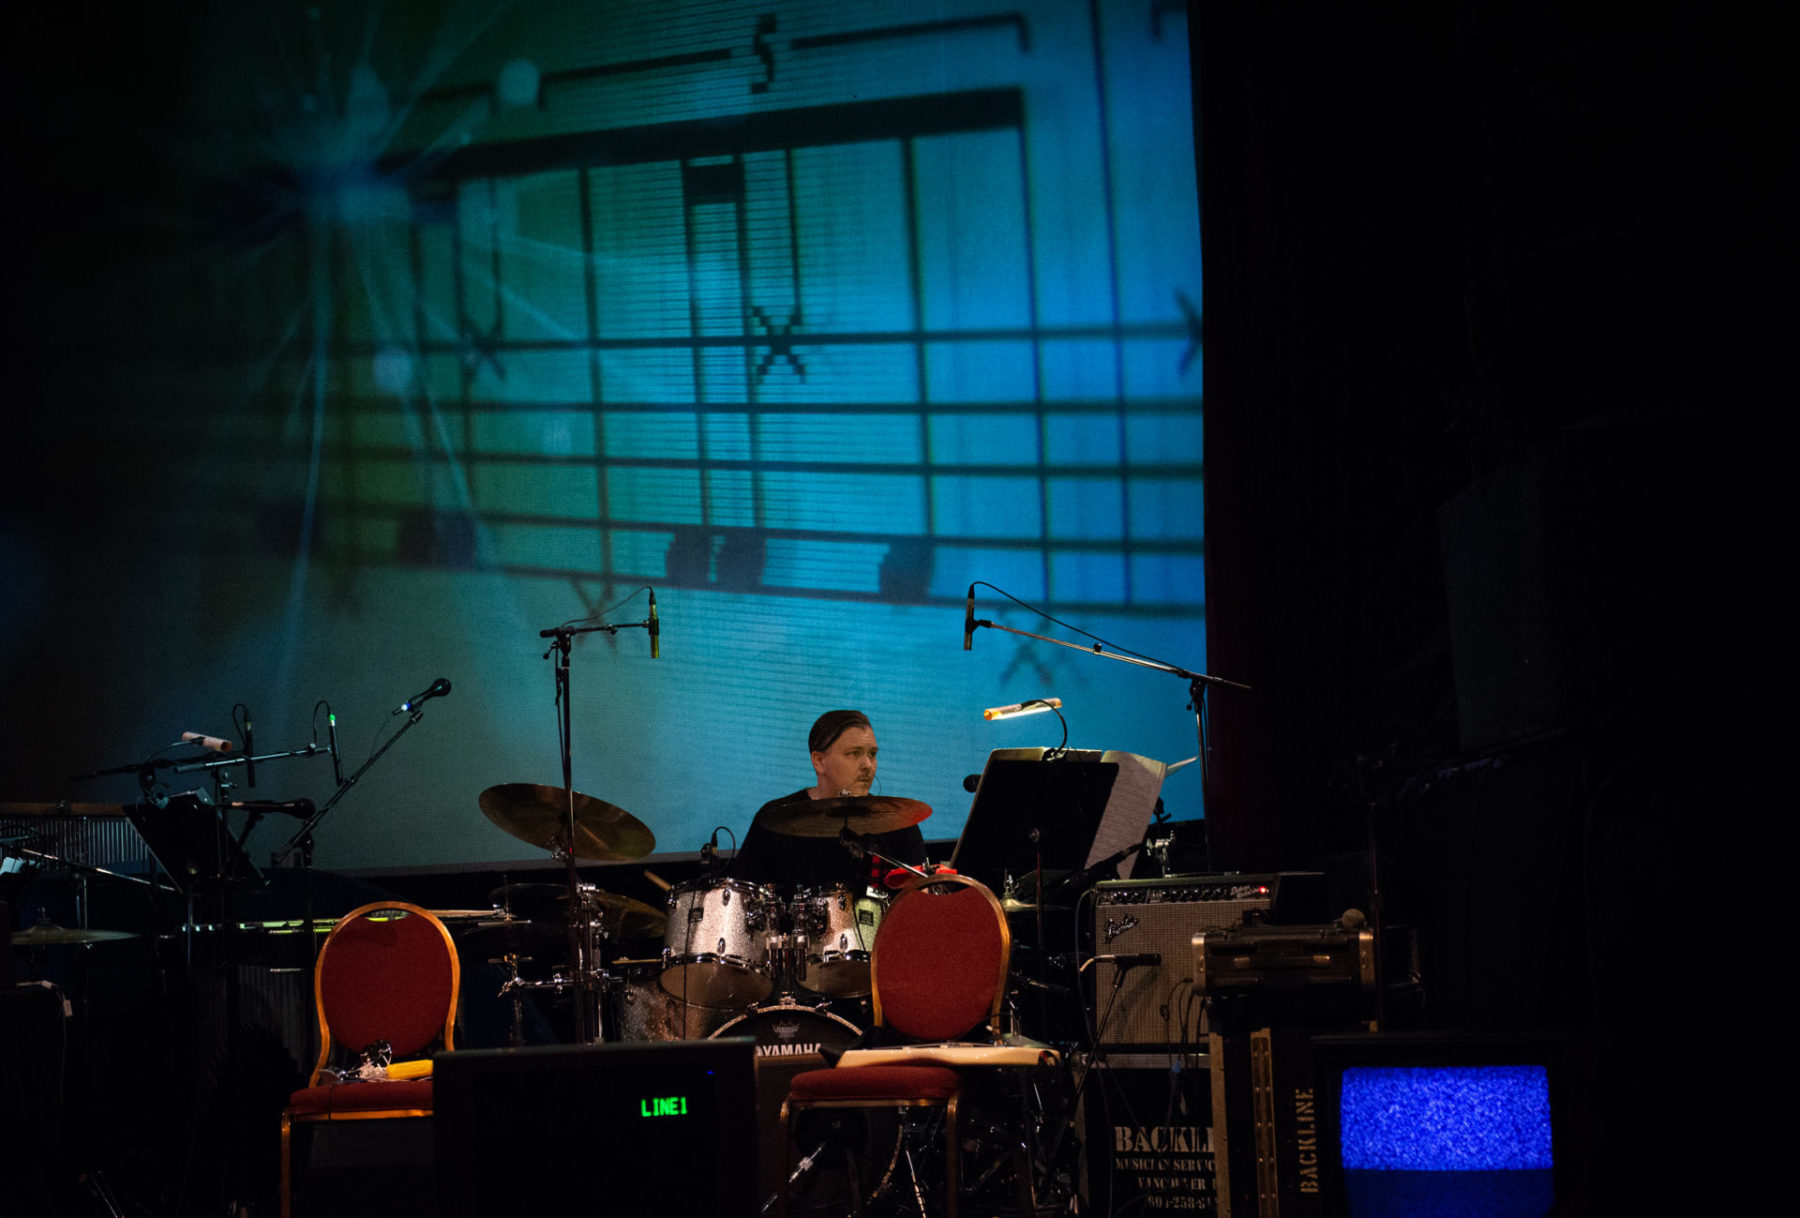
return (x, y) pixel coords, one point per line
(328, 1098)
(897, 1083)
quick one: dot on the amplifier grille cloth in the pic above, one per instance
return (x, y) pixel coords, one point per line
(1156, 1004)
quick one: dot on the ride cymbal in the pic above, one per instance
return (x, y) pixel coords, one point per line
(857, 813)
(539, 815)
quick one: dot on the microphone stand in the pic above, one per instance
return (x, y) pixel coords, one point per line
(1197, 686)
(580, 940)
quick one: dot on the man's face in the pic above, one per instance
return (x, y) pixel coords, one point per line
(847, 764)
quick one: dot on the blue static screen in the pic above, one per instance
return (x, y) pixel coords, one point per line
(1446, 1119)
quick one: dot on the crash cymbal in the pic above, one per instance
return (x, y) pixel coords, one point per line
(539, 814)
(46, 935)
(626, 916)
(858, 813)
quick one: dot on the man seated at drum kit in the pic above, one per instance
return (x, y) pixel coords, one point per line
(807, 887)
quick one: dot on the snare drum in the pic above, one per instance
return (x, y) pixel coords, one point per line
(838, 928)
(715, 945)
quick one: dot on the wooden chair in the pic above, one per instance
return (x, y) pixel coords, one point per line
(938, 969)
(387, 972)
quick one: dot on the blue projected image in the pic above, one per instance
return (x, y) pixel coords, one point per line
(807, 315)
(1464, 1118)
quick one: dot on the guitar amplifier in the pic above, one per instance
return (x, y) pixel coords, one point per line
(1159, 1004)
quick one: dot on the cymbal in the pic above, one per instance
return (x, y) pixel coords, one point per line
(46, 935)
(539, 815)
(1011, 905)
(857, 813)
(509, 937)
(550, 903)
(63, 808)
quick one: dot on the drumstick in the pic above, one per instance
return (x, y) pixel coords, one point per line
(657, 880)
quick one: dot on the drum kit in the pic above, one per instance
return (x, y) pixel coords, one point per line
(737, 958)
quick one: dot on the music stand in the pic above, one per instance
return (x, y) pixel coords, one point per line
(1069, 808)
(190, 841)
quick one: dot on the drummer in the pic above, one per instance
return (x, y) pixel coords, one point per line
(842, 744)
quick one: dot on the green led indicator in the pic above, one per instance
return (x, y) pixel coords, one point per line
(661, 1106)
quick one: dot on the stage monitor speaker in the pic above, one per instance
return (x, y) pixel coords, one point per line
(1157, 1004)
(619, 1129)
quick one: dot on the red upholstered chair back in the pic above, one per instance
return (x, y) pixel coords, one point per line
(388, 971)
(940, 959)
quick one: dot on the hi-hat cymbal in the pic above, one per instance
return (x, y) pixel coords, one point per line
(539, 815)
(857, 813)
(1012, 906)
(629, 917)
(46, 935)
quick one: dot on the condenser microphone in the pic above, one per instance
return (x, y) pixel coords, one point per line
(213, 744)
(249, 750)
(1036, 706)
(436, 689)
(655, 629)
(969, 620)
(301, 808)
(337, 766)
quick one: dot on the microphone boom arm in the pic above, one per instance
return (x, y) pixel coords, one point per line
(305, 830)
(1099, 650)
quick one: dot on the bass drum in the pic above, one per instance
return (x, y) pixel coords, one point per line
(862, 1153)
(642, 1010)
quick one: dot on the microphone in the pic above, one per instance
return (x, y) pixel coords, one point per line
(249, 750)
(1123, 962)
(301, 808)
(211, 743)
(969, 620)
(337, 767)
(656, 634)
(1081, 878)
(1035, 706)
(853, 842)
(436, 689)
